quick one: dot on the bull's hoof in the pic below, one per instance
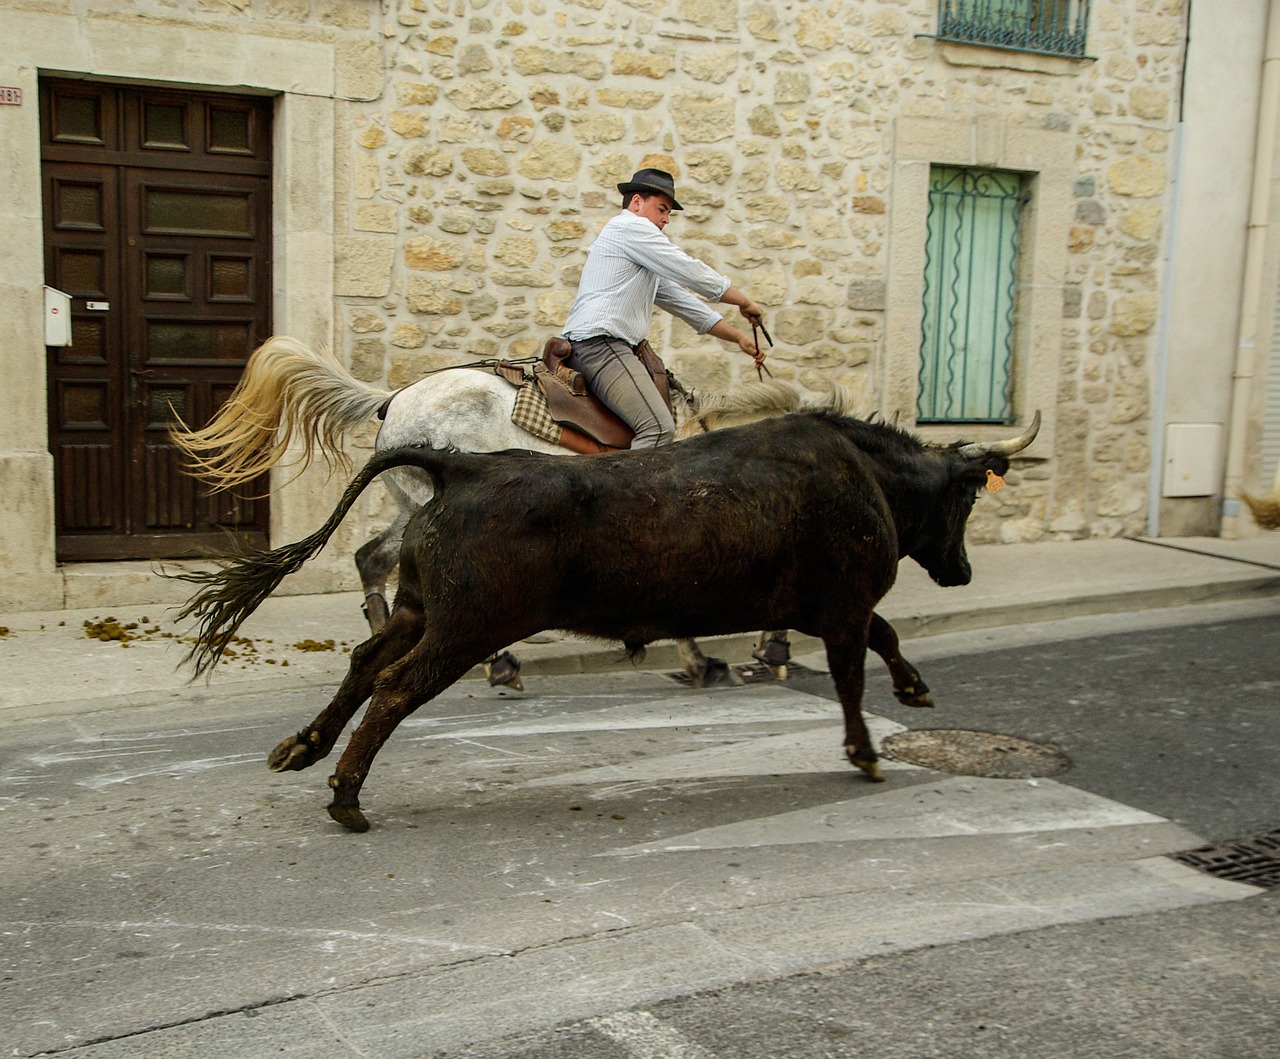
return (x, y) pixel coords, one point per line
(917, 695)
(294, 754)
(350, 817)
(504, 671)
(865, 760)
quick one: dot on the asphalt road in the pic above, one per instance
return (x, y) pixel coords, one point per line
(1181, 720)
(614, 866)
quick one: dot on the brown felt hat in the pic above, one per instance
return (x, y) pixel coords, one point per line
(652, 180)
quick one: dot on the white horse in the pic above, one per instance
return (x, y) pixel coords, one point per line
(291, 394)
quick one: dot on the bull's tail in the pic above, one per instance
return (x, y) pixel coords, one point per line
(240, 584)
(287, 392)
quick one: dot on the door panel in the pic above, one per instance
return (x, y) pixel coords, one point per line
(157, 211)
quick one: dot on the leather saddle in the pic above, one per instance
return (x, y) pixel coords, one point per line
(575, 408)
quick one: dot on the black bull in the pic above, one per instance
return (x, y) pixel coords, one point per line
(796, 522)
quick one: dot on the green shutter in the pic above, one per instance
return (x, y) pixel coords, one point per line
(970, 286)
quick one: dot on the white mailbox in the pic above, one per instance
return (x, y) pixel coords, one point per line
(57, 317)
(1192, 459)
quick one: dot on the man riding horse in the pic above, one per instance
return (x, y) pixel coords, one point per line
(632, 266)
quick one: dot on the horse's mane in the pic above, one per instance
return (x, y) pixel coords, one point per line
(760, 400)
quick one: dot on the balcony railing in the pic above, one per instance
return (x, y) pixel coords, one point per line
(1049, 27)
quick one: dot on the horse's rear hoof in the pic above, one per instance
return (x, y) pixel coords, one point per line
(720, 674)
(504, 671)
(350, 817)
(775, 654)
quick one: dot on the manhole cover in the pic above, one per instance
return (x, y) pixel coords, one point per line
(1254, 860)
(751, 673)
(990, 754)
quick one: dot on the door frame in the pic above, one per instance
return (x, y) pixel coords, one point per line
(309, 76)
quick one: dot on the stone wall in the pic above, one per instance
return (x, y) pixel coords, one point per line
(443, 165)
(477, 181)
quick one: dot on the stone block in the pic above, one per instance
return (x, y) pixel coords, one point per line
(362, 266)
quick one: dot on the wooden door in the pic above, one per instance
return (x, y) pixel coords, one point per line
(157, 223)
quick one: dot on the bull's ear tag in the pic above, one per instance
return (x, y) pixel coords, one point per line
(994, 482)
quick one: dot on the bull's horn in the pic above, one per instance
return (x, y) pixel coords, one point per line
(1004, 448)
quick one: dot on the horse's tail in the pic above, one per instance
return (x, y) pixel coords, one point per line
(287, 392)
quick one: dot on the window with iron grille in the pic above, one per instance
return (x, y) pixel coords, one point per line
(970, 294)
(1051, 27)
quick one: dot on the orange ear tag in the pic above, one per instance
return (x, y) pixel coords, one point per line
(994, 482)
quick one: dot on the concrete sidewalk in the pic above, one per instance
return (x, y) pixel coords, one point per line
(52, 662)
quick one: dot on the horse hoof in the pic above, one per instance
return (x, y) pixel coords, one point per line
(350, 817)
(775, 654)
(504, 670)
(720, 673)
(292, 755)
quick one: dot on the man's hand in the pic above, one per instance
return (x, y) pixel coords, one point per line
(747, 344)
(753, 312)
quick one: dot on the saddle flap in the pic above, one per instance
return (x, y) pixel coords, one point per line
(572, 405)
(581, 410)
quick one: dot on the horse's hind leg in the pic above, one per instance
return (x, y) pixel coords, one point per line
(369, 659)
(375, 560)
(705, 672)
(401, 688)
(909, 687)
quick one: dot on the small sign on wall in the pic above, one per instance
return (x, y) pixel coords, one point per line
(11, 96)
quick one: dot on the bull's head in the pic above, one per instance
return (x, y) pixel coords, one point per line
(940, 549)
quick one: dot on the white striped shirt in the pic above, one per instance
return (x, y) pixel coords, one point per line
(631, 267)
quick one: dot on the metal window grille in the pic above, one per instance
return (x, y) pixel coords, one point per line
(970, 292)
(1051, 27)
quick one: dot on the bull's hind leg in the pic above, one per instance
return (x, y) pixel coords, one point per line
(401, 688)
(367, 661)
(909, 687)
(846, 658)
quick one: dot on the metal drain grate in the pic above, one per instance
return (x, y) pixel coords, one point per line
(1254, 859)
(751, 673)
